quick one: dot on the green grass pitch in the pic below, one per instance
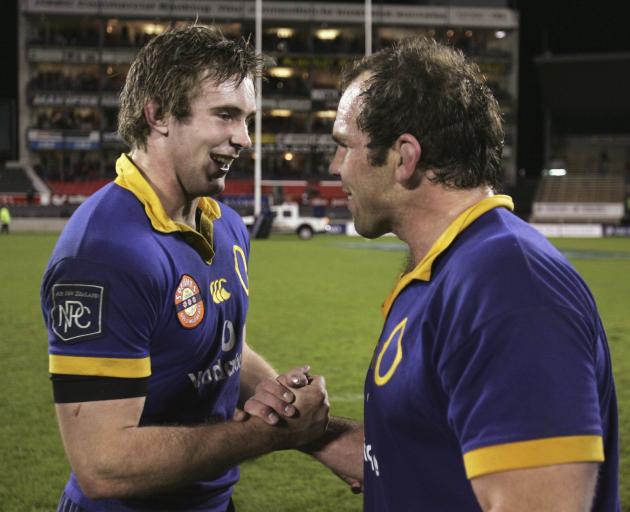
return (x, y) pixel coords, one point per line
(314, 302)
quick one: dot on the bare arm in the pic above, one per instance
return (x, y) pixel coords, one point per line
(558, 488)
(254, 369)
(113, 457)
(341, 450)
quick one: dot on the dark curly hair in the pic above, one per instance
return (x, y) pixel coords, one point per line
(432, 92)
(169, 70)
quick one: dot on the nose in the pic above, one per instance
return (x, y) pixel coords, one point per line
(333, 167)
(240, 138)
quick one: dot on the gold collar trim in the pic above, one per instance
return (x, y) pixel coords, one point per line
(131, 179)
(422, 271)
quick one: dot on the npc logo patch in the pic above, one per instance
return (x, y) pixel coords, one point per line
(188, 302)
(77, 311)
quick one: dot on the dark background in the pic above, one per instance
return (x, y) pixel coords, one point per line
(563, 28)
(556, 27)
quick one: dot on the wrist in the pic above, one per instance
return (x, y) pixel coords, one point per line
(276, 437)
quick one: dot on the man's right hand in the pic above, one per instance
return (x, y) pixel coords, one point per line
(311, 418)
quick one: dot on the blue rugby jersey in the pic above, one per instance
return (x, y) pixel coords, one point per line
(492, 357)
(129, 295)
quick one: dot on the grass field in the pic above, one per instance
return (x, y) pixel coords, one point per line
(312, 302)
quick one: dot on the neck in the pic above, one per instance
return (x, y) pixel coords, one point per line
(160, 174)
(428, 212)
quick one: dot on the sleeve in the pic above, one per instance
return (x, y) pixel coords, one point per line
(523, 392)
(99, 319)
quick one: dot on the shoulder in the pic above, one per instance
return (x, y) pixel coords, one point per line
(229, 215)
(500, 245)
(232, 223)
(110, 228)
(500, 263)
(504, 293)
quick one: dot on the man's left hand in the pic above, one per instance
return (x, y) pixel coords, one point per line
(274, 399)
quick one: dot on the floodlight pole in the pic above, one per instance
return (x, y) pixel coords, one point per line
(368, 27)
(258, 129)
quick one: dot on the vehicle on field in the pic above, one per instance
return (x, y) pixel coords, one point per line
(286, 218)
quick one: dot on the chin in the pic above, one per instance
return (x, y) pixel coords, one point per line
(216, 187)
(369, 231)
(371, 235)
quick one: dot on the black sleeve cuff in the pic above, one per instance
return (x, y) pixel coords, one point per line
(79, 388)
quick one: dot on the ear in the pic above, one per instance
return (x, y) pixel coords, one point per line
(408, 152)
(155, 118)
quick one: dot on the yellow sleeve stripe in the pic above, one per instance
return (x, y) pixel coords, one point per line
(529, 454)
(100, 366)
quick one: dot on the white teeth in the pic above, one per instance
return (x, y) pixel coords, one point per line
(224, 161)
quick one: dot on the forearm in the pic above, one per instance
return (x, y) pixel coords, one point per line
(254, 369)
(141, 460)
(341, 447)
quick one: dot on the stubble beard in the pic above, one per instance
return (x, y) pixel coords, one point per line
(216, 187)
(370, 230)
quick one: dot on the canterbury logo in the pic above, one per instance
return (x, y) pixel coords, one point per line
(219, 294)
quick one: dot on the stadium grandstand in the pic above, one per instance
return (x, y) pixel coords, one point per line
(74, 56)
(585, 187)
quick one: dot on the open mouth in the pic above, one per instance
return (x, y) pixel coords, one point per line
(223, 161)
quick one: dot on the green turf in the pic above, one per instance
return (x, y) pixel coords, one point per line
(315, 302)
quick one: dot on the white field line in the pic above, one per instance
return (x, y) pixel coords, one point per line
(347, 397)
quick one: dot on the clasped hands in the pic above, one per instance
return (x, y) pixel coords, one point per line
(293, 397)
(279, 398)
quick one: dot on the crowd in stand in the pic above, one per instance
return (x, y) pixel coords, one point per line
(70, 35)
(125, 37)
(67, 119)
(63, 81)
(114, 82)
(109, 78)
(292, 86)
(86, 167)
(275, 44)
(341, 44)
(292, 124)
(322, 125)
(86, 35)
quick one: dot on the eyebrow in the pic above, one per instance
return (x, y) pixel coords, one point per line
(234, 111)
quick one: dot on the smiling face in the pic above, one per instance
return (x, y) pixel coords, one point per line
(369, 187)
(203, 146)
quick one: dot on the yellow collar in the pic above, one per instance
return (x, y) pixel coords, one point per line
(422, 271)
(130, 178)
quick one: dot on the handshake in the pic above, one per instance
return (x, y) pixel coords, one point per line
(293, 409)
(294, 402)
